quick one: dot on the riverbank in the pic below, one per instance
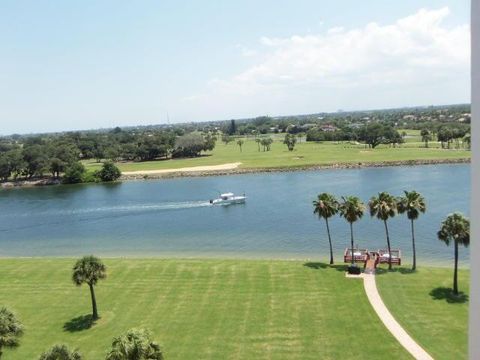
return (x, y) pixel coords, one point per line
(235, 169)
(232, 309)
(228, 169)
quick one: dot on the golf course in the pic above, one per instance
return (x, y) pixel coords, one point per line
(305, 154)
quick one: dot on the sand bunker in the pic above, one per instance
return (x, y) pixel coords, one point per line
(229, 166)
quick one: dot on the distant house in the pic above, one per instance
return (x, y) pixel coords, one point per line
(328, 128)
(409, 117)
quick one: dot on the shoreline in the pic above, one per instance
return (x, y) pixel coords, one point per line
(174, 173)
(240, 171)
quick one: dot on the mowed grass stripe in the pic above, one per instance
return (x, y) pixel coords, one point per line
(199, 309)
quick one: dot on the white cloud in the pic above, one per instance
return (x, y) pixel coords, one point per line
(245, 51)
(393, 63)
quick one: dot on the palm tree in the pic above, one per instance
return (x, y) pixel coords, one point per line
(351, 208)
(60, 352)
(426, 137)
(10, 329)
(384, 207)
(413, 204)
(240, 143)
(89, 270)
(258, 141)
(326, 206)
(135, 344)
(455, 228)
(467, 139)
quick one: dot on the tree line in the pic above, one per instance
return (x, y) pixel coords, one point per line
(60, 154)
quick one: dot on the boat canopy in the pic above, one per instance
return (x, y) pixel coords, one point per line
(226, 195)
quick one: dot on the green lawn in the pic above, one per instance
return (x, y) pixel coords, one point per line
(305, 154)
(422, 303)
(200, 309)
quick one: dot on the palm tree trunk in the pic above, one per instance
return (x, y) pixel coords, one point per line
(414, 267)
(94, 303)
(329, 242)
(388, 245)
(351, 241)
(455, 279)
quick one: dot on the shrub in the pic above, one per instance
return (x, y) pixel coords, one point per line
(109, 172)
(74, 173)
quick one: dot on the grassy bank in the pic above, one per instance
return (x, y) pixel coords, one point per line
(305, 154)
(230, 309)
(423, 305)
(199, 309)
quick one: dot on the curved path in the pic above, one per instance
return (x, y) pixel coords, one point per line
(389, 321)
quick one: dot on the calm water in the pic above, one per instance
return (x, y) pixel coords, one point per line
(173, 217)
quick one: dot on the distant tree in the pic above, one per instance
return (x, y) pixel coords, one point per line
(325, 207)
(467, 140)
(109, 172)
(112, 153)
(5, 169)
(35, 160)
(266, 143)
(455, 228)
(209, 142)
(258, 141)
(445, 135)
(62, 155)
(10, 330)
(384, 207)
(135, 344)
(232, 128)
(351, 208)
(375, 134)
(74, 173)
(413, 204)
(89, 270)
(226, 139)
(426, 136)
(11, 164)
(60, 352)
(240, 143)
(290, 140)
(190, 145)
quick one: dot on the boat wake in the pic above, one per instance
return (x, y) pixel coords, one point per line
(100, 213)
(141, 208)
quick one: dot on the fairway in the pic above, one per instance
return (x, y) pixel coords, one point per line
(304, 154)
(421, 303)
(199, 309)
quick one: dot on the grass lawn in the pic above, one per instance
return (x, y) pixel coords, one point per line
(305, 154)
(201, 309)
(422, 303)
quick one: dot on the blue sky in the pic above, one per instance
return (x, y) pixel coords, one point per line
(78, 65)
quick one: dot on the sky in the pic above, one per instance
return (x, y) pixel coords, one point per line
(70, 65)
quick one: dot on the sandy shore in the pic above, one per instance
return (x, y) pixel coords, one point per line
(229, 166)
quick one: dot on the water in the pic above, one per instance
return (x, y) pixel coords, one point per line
(173, 217)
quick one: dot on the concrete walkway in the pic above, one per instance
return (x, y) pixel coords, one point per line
(389, 321)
